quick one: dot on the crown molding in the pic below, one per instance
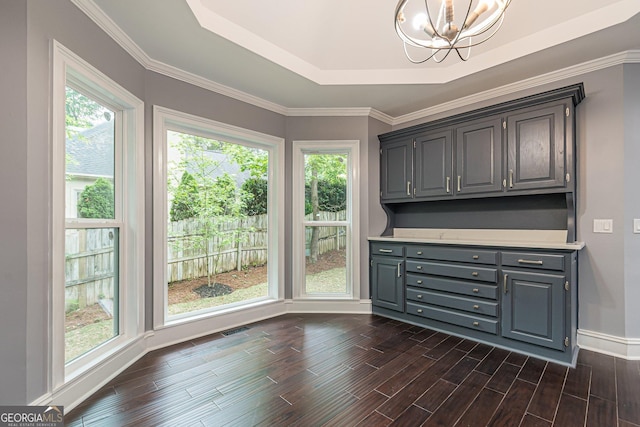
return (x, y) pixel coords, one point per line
(627, 57)
(340, 112)
(97, 15)
(121, 38)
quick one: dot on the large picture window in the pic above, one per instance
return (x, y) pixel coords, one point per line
(97, 216)
(216, 203)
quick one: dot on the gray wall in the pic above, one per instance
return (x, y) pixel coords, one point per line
(632, 196)
(13, 192)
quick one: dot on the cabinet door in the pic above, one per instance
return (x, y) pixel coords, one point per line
(433, 165)
(533, 307)
(479, 157)
(536, 148)
(396, 170)
(387, 287)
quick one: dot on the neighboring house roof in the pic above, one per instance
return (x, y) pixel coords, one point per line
(91, 152)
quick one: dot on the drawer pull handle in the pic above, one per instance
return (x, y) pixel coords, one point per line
(510, 178)
(419, 267)
(419, 282)
(476, 307)
(408, 188)
(476, 290)
(419, 310)
(474, 274)
(386, 251)
(504, 283)
(476, 323)
(475, 257)
(419, 252)
(529, 261)
(399, 267)
(448, 184)
(419, 296)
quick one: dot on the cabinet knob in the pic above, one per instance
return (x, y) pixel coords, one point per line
(419, 310)
(419, 282)
(474, 274)
(476, 323)
(419, 252)
(476, 290)
(475, 257)
(419, 296)
(419, 267)
(476, 307)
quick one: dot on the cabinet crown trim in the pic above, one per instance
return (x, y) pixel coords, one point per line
(574, 92)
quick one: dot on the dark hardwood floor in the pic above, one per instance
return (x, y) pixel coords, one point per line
(365, 370)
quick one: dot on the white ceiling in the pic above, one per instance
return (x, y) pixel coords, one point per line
(345, 53)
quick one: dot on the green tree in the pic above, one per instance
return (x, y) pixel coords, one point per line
(97, 200)
(220, 199)
(255, 192)
(331, 168)
(186, 199)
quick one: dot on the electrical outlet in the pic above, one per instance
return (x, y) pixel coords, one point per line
(636, 225)
(603, 226)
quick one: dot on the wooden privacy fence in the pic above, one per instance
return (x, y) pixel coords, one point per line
(192, 250)
(91, 270)
(90, 267)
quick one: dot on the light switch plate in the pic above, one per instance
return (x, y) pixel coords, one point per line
(636, 225)
(603, 226)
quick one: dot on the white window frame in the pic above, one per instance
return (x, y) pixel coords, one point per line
(164, 120)
(70, 69)
(352, 223)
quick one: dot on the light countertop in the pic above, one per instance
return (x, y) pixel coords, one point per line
(531, 239)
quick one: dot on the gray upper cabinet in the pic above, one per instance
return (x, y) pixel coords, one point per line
(536, 148)
(479, 157)
(433, 164)
(396, 170)
(524, 147)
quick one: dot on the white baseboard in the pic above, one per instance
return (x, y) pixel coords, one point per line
(626, 348)
(198, 327)
(326, 306)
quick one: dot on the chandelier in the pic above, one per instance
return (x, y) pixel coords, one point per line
(441, 29)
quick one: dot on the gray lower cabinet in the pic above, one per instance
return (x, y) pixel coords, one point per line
(387, 289)
(533, 306)
(524, 300)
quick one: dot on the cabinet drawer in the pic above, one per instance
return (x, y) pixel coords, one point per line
(472, 305)
(483, 274)
(534, 260)
(390, 249)
(476, 256)
(456, 318)
(456, 286)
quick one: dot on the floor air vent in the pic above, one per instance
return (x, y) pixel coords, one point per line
(235, 331)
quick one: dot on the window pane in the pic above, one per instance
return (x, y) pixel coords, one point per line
(217, 223)
(325, 185)
(89, 158)
(326, 260)
(91, 289)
